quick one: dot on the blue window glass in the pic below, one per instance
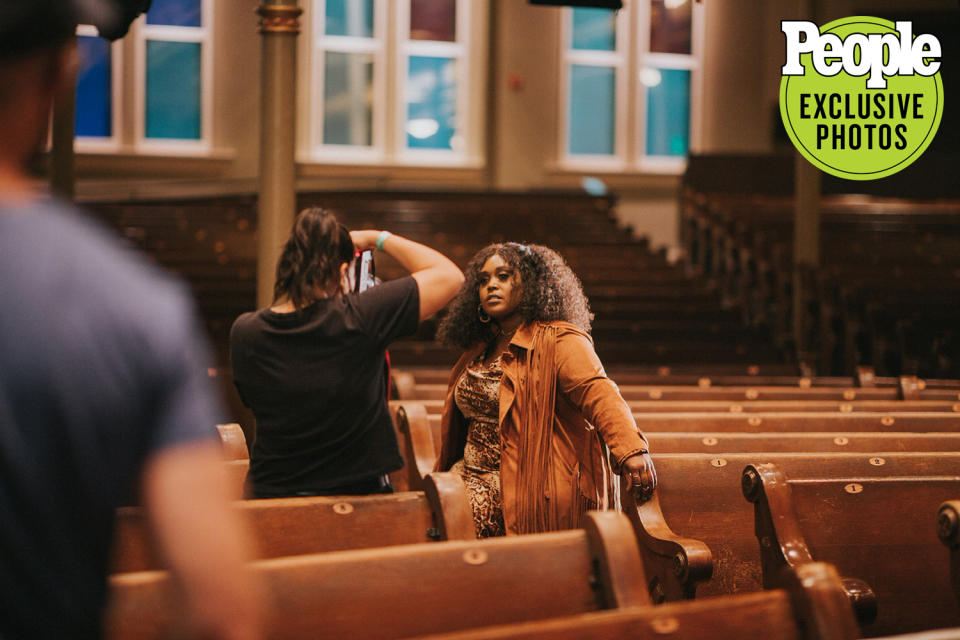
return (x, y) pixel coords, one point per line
(594, 29)
(94, 88)
(173, 90)
(668, 111)
(592, 109)
(176, 13)
(431, 103)
(349, 18)
(348, 91)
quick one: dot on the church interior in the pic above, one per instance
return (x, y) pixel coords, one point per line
(787, 341)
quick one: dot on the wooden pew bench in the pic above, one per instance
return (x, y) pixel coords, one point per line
(811, 606)
(296, 526)
(790, 442)
(402, 592)
(665, 393)
(800, 422)
(876, 529)
(714, 432)
(698, 523)
(787, 406)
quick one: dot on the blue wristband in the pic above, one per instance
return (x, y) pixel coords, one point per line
(381, 239)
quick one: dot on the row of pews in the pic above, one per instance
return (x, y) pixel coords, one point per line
(836, 517)
(883, 294)
(646, 309)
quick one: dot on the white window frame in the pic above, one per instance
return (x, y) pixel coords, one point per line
(458, 50)
(320, 44)
(632, 55)
(202, 35)
(617, 60)
(96, 144)
(392, 50)
(691, 62)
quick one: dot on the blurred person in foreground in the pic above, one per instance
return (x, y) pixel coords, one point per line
(103, 387)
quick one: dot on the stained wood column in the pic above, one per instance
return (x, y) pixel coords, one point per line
(279, 27)
(806, 251)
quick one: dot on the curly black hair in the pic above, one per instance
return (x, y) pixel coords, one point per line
(549, 291)
(309, 266)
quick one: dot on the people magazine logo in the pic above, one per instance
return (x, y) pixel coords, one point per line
(861, 97)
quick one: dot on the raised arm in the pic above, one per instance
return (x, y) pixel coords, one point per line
(187, 496)
(438, 278)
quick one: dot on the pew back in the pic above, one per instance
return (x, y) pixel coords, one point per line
(876, 529)
(294, 526)
(401, 592)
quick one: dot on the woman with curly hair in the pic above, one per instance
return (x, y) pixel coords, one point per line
(530, 416)
(312, 366)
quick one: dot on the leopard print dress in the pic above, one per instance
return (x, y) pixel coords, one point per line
(477, 395)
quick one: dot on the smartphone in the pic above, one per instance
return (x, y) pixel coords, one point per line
(362, 272)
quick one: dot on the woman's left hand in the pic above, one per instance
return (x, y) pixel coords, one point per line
(640, 473)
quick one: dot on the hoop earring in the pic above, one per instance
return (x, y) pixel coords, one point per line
(484, 318)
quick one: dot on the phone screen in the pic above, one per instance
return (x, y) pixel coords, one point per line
(362, 272)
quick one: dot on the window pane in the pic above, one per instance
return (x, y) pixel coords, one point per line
(670, 26)
(176, 13)
(594, 29)
(348, 98)
(668, 111)
(431, 103)
(433, 20)
(93, 88)
(173, 90)
(349, 18)
(592, 109)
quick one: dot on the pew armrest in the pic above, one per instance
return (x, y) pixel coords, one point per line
(450, 505)
(674, 565)
(616, 557)
(416, 442)
(783, 550)
(948, 528)
(233, 441)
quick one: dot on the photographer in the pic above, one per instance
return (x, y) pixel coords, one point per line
(312, 367)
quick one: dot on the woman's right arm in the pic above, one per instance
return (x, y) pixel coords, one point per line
(438, 278)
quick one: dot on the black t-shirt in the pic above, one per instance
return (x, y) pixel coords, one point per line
(316, 381)
(102, 364)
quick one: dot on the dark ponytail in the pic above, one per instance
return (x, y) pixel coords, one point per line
(309, 267)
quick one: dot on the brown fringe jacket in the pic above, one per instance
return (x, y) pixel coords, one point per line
(554, 463)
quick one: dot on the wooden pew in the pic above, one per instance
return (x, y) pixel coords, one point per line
(771, 406)
(948, 528)
(799, 421)
(786, 442)
(295, 526)
(414, 590)
(665, 393)
(874, 529)
(811, 606)
(781, 406)
(697, 533)
(233, 441)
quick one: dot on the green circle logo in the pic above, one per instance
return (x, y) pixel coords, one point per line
(861, 98)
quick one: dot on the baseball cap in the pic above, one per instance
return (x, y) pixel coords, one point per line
(26, 25)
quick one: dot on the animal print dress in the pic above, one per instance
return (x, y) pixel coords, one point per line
(477, 395)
